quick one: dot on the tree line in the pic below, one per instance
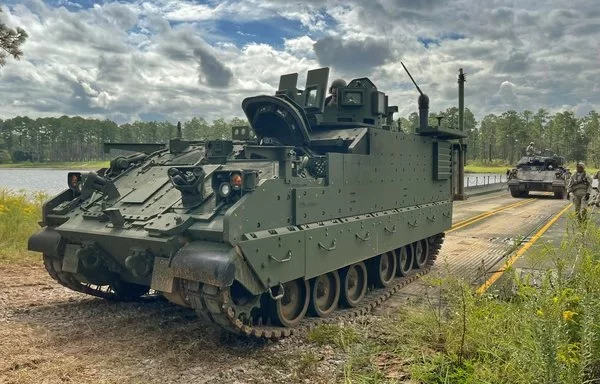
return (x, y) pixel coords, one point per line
(67, 138)
(495, 139)
(502, 138)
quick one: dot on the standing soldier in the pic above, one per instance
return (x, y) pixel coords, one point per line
(530, 150)
(333, 90)
(580, 186)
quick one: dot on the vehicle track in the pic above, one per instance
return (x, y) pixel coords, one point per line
(215, 304)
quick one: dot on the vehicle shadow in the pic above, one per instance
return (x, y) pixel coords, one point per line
(541, 196)
(135, 329)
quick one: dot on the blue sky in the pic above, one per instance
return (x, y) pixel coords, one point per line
(270, 31)
(176, 59)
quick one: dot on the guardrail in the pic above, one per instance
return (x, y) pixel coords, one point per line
(481, 181)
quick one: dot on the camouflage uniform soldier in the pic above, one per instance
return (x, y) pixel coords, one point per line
(530, 150)
(333, 90)
(580, 186)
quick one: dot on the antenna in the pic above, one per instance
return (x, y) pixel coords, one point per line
(413, 80)
(179, 133)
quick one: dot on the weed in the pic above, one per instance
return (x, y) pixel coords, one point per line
(333, 334)
(19, 216)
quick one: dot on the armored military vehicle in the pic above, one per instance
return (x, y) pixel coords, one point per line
(538, 174)
(326, 213)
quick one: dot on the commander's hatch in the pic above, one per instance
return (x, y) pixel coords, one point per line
(277, 120)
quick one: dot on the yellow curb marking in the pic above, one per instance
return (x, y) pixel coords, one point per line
(496, 275)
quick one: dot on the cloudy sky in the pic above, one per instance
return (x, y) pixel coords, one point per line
(175, 59)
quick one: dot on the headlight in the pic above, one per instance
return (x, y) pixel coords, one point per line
(224, 189)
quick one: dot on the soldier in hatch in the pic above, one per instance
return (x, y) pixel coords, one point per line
(530, 149)
(580, 186)
(333, 90)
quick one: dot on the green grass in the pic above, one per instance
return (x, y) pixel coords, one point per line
(60, 165)
(477, 166)
(499, 167)
(548, 332)
(19, 216)
(486, 169)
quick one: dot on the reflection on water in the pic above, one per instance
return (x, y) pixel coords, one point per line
(53, 181)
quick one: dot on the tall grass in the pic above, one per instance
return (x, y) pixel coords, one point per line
(542, 328)
(19, 216)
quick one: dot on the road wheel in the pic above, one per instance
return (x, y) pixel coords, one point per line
(421, 253)
(325, 294)
(405, 260)
(354, 284)
(292, 306)
(383, 269)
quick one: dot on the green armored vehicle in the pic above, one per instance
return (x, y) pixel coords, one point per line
(538, 174)
(326, 213)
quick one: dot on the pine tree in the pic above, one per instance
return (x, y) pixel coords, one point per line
(11, 40)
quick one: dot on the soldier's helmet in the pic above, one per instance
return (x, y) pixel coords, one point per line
(531, 143)
(337, 83)
(580, 165)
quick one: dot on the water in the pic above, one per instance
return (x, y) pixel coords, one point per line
(53, 181)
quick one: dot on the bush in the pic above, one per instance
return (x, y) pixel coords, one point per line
(4, 156)
(19, 216)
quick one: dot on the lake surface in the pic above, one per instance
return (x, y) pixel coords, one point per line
(53, 181)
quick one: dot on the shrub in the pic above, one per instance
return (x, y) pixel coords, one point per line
(19, 216)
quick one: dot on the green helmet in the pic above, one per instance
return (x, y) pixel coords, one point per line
(337, 83)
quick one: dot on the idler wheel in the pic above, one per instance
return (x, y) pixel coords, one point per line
(421, 253)
(405, 259)
(292, 306)
(383, 269)
(354, 284)
(325, 294)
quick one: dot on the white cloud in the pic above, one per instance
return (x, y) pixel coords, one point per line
(127, 60)
(302, 45)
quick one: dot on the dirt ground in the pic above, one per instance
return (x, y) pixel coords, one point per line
(49, 334)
